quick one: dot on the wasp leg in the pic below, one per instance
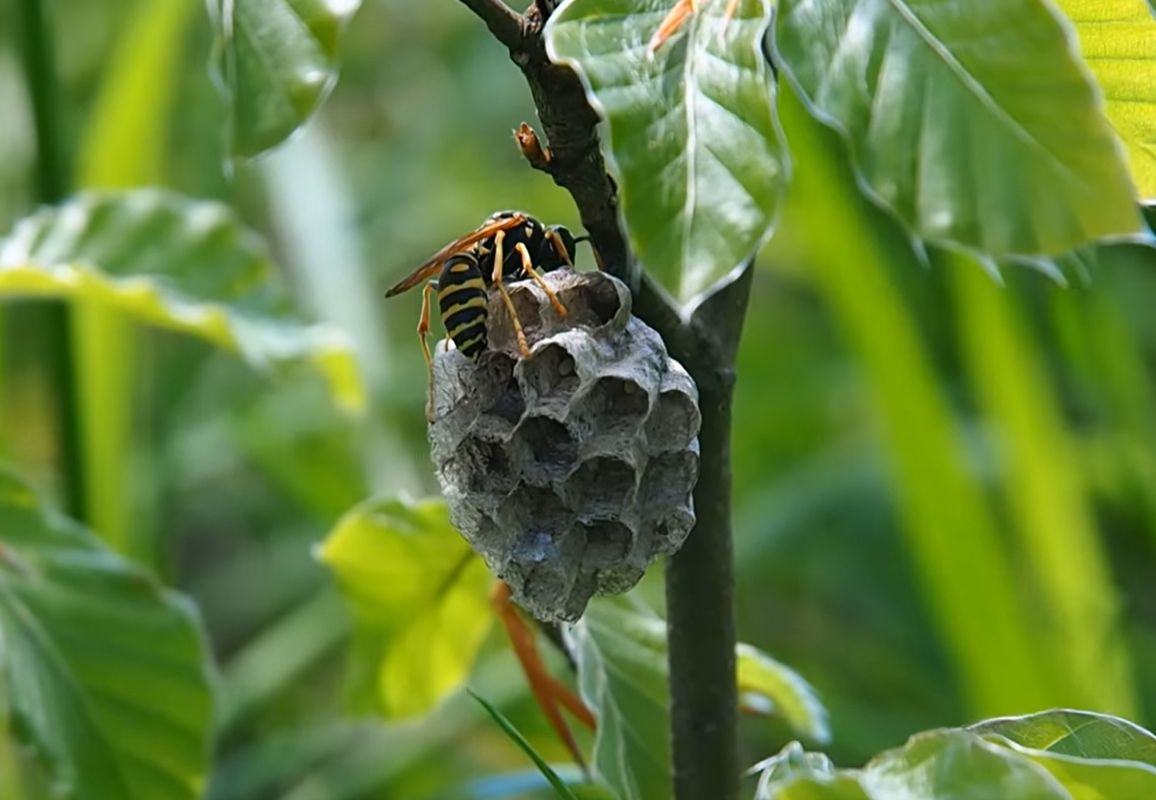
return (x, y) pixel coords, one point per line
(496, 279)
(559, 248)
(671, 24)
(422, 332)
(548, 691)
(531, 273)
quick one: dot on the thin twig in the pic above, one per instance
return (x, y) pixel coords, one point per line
(535, 153)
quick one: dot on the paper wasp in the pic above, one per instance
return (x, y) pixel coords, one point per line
(508, 246)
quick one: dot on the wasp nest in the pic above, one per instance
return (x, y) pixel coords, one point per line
(571, 470)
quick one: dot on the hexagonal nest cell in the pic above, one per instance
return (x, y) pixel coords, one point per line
(570, 470)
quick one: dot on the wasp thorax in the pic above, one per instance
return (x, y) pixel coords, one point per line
(569, 470)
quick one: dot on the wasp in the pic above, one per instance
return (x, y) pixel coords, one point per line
(507, 246)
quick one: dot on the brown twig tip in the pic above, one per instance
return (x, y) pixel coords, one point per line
(532, 148)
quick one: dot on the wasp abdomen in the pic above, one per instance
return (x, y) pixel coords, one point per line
(462, 300)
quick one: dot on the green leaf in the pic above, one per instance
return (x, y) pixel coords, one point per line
(275, 62)
(1118, 41)
(840, 787)
(768, 686)
(620, 649)
(420, 598)
(956, 764)
(517, 738)
(1076, 733)
(106, 673)
(790, 763)
(1087, 780)
(1054, 755)
(692, 131)
(973, 121)
(1097, 757)
(937, 765)
(176, 263)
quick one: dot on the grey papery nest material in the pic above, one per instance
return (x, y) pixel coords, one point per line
(571, 470)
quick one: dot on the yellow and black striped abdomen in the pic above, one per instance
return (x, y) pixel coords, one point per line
(462, 300)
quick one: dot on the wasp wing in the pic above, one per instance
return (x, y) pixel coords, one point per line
(433, 264)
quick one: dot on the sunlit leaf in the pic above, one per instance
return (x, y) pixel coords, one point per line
(1118, 40)
(1095, 756)
(1076, 733)
(106, 673)
(276, 62)
(693, 137)
(788, 764)
(620, 649)
(1087, 780)
(953, 764)
(175, 263)
(768, 686)
(973, 121)
(937, 765)
(1054, 755)
(419, 596)
(840, 787)
(559, 786)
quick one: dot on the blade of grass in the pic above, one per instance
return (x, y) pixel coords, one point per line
(1108, 355)
(1046, 495)
(517, 738)
(279, 654)
(311, 206)
(53, 337)
(959, 560)
(124, 146)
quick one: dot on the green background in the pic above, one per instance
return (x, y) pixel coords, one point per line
(900, 428)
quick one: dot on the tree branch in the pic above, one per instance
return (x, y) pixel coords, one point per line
(503, 21)
(570, 126)
(700, 576)
(699, 579)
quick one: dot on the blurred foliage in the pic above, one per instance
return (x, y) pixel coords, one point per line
(420, 597)
(944, 491)
(106, 672)
(1056, 755)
